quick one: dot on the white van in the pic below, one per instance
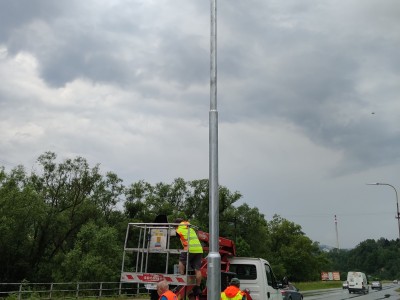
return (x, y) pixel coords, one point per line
(357, 282)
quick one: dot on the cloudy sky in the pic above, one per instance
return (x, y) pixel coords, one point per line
(308, 100)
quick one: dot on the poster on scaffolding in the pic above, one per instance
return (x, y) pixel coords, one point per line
(158, 240)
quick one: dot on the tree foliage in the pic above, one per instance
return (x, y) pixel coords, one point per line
(43, 212)
(379, 259)
(96, 253)
(67, 221)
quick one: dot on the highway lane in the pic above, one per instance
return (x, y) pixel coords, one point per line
(387, 292)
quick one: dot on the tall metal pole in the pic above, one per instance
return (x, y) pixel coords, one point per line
(214, 258)
(337, 234)
(397, 202)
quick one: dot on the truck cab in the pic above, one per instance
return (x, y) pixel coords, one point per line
(255, 275)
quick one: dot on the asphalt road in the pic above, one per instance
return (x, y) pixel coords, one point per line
(388, 292)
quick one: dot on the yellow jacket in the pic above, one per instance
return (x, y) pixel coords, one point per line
(189, 238)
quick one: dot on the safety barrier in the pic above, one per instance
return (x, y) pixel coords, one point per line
(70, 290)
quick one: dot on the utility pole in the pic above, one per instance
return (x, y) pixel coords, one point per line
(337, 235)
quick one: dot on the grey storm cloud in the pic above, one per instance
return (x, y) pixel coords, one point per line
(307, 96)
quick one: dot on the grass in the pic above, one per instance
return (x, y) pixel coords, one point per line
(317, 285)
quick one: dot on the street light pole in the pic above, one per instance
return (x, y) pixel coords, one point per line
(397, 201)
(213, 257)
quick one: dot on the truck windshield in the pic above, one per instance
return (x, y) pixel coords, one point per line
(245, 271)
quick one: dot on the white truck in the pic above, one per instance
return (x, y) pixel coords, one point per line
(148, 247)
(357, 282)
(256, 276)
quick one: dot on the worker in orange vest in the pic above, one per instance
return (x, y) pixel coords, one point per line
(164, 292)
(233, 292)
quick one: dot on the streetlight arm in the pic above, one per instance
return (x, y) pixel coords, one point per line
(397, 201)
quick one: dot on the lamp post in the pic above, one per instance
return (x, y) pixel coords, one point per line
(397, 201)
(213, 257)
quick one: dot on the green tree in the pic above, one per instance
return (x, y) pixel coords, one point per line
(64, 222)
(42, 213)
(66, 190)
(21, 209)
(251, 226)
(187, 199)
(293, 252)
(135, 207)
(96, 256)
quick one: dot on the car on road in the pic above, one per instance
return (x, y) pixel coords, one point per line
(395, 281)
(290, 292)
(345, 285)
(376, 285)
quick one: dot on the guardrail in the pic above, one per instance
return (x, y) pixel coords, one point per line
(70, 290)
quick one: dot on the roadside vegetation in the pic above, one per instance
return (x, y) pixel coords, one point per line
(318, 285)
(65, 221)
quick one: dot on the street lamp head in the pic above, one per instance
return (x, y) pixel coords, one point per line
(374, 183)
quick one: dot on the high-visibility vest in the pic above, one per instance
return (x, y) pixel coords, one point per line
(169, 295)
(238, 296)
(189, 237)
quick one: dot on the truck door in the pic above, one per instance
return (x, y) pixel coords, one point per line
(272, 291)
